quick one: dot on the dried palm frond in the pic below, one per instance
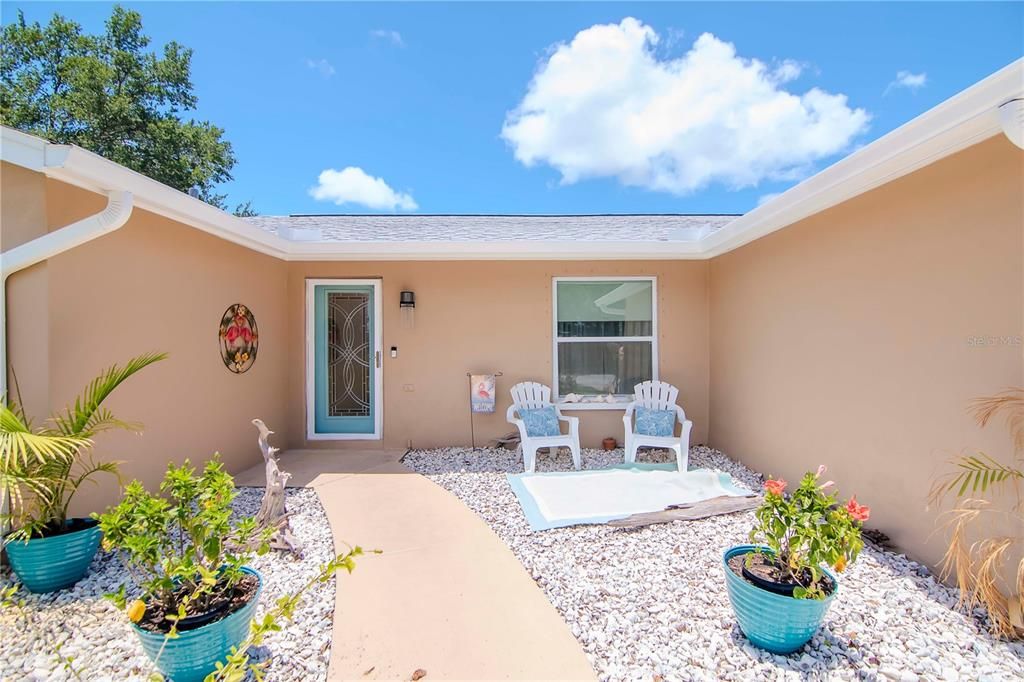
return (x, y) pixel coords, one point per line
(1010, 401)
(980, 567)
(958, 560)
(992, 553)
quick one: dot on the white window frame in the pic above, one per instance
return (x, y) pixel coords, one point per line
(555, 340)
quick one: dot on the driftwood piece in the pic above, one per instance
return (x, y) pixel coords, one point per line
(273, 513)
(724, 504)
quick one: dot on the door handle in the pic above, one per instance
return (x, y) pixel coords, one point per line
(376, 356)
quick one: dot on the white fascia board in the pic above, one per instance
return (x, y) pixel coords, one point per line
(82, 168)
(961, 121)
(492, 250)
(27, 151)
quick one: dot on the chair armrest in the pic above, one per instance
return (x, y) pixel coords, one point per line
(574, 423)
(685, 431)
(627, 417)
(680, 415)
(510, 414)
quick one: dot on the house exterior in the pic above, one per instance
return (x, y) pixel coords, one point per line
(848, 321)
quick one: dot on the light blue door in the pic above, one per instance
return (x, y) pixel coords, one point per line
(345, 359)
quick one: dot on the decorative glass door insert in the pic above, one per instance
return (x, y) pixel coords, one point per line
(345, 359)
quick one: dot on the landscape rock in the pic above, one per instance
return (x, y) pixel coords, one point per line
(102, 646)
(652, 601)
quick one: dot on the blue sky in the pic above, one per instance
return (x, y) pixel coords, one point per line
(559, 108)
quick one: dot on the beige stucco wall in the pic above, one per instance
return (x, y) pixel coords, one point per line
(488, 317)
(852, 338)
(154, 285)
(23, 218)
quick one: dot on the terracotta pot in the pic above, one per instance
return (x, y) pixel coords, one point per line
(609, 443)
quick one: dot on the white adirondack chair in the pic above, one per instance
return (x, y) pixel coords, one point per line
(531, 395)
(657, 395)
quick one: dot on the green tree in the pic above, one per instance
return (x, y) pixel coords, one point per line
(112, 95)
(245, 210)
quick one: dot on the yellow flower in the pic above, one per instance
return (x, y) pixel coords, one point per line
(136, 610)
(841, 564)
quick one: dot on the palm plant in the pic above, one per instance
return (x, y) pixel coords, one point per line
(42, 468)
(978, 565)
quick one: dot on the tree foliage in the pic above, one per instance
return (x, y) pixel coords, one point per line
(114, 96)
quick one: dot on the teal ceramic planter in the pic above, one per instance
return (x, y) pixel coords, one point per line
(772, 621)
(53, 563)
(194, 653)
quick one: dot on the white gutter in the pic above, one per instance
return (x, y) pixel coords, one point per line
(112, 217)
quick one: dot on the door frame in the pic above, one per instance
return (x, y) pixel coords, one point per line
(378, 348)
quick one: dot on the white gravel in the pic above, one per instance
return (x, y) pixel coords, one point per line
(652, 602)
(87, 627)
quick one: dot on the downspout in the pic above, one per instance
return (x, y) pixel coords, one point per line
(112, 217)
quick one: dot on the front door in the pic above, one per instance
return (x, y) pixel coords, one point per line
(345, 359)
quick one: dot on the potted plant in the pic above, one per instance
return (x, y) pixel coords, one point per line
(197, 594)
(41, 470)
(779, 586)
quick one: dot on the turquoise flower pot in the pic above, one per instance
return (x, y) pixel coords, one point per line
(53, 563)
(772, 621)
(193, 654)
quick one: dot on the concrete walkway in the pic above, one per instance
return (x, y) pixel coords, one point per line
(446, 596)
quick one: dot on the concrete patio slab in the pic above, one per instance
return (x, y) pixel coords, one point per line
(446, 596)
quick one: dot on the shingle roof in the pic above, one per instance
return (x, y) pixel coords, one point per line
(470, 228)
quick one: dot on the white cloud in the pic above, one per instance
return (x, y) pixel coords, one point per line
(387, 34)
(321, 66)
(352, 185)
(605, 105)
(910, 81)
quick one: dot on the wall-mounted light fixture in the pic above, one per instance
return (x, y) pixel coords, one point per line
(407, 304)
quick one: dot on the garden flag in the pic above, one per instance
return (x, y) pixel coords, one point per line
(481, 398)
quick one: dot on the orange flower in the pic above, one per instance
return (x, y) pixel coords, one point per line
(136, 610)
(840, 564)
(774, 486)
(859, 512)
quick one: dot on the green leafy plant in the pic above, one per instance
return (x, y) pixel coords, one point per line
(806, 529)
(975, 481)
(186, 555)
(238, 665)
(181, 547)
(41, 469)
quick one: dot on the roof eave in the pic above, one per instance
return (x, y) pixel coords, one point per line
(493, 250)
(87, 170)
(961, 121)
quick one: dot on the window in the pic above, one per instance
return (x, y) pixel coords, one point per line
(604, 336)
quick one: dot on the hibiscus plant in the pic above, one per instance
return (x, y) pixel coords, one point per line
(808, 528)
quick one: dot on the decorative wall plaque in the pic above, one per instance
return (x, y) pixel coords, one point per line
(239, 339)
